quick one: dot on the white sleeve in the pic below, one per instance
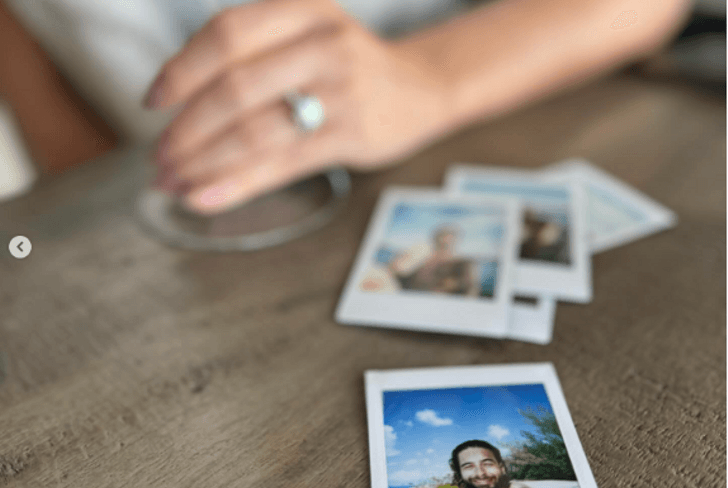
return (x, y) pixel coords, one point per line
(110, 51)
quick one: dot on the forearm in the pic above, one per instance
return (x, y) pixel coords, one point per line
(59, 126)
(511, 52)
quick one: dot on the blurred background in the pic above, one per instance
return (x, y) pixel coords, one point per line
(66, 121)
(126, 363)
(698, 54)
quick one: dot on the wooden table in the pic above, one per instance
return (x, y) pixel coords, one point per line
(127, 363)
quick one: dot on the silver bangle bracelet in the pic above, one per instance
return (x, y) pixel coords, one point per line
(153, 206)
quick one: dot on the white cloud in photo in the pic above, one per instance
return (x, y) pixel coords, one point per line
(436, 469)
(497, 432)
(430, 417)
(405, 477)
(430, 451)
(409, 423)
(411, 461)
(390, 439)
(505, 452)
(426, 462)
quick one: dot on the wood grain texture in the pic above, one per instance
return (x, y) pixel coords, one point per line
(126, 363)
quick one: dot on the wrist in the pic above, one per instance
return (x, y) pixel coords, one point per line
(434, 88)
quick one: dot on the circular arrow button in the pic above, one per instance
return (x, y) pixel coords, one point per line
(20, 247)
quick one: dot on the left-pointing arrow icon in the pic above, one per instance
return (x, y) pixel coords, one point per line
(20, 247)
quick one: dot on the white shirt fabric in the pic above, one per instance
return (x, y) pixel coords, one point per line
(111, 50)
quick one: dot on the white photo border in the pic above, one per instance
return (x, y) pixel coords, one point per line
(533, 323)
(377, 382)
(568, 283)
(415, 311)
(659, 217)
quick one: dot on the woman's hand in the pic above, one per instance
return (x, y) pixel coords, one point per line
(234, 139)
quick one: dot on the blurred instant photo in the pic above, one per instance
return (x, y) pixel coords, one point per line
(554, 258)
(617, 213)
(532, 321)
(435, 262)
(473, 427)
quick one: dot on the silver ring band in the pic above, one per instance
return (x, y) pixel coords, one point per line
(307, 111)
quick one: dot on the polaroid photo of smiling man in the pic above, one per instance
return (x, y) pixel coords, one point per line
(554, 258)
(617, 213)
(436, 263)
(501, 426)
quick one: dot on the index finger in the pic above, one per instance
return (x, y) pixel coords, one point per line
(233, 36)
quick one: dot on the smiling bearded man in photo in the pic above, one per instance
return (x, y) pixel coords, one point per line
(478, 464)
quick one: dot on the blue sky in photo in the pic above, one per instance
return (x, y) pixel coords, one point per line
(598, 197)
(609, 214)
(533, 193)
(481, 228)
(552, 215)
(422, 427)
(550, 201)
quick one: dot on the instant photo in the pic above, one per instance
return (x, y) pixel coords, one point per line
(532, 320)
(435, 262)
(473, 427)
(617, 213)
(553, 255)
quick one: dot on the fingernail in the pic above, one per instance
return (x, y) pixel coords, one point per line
(217, 195)
(154, 95)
